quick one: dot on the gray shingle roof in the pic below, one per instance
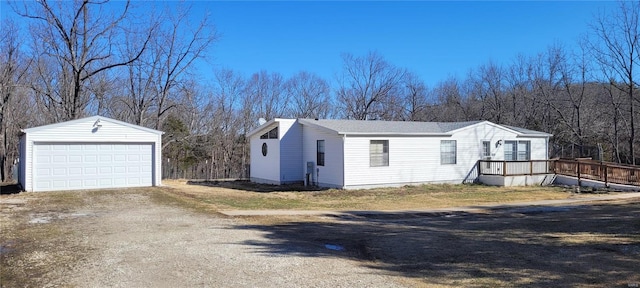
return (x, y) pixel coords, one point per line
(402, 127)
(387, 127)
(526, 131)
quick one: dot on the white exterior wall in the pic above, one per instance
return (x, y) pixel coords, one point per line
(539, 147)
(518, 180)
(331, 174)
(23, 161)
(265, 169)
(416, 159)
(83, 131)
(290, 136)
(411, 161)
(283, 162)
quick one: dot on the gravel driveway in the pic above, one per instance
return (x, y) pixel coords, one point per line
(137, 243)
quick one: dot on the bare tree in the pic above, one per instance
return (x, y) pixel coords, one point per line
(575, 83)
(415, 99)
(13, 73)
(488, 87)
(138, 95)
(367, 86)
(77, 44)
(265, 95)
(453, 103)
(177, 45)
(310, 96)
(229, 147)
(615, 44)
(546, 82)
(521, 108)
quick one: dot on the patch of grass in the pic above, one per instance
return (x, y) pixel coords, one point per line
(172, 197)
(31, 254)
(407, 197)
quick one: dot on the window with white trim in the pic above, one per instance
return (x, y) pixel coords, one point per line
(448, 151)
(378, 153)
(486, 149)
(517, 150)
(320, 152)
(272, 134)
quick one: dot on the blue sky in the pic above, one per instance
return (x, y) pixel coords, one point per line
(432, 39)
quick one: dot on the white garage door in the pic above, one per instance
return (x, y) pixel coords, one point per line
(69, 166)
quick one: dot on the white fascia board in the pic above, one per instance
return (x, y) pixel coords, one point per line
(320, 127)
(89, 119)
(394, 134)
(262, 127)
(519, 134)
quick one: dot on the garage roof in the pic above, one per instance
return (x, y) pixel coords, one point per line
(96, 119)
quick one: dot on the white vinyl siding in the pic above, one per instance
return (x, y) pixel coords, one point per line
(69, 134)
(416, 159)
(331, 174)
(448, 152)
(283, 160)
(409, 158)
(290, 151)
(379, 153)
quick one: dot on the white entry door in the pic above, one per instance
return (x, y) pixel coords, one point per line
(71, 166)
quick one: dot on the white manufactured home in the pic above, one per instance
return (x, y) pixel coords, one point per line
(90, 153)
(353, 154)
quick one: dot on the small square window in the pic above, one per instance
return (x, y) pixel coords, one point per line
(379, 153)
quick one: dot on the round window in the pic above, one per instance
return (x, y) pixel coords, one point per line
(264, 149)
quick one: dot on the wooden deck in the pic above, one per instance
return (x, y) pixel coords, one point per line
(515, 168)
(606, 172)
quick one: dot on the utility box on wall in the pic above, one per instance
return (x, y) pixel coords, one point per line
(310, 177)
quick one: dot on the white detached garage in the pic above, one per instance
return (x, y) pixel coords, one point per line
(89, 153)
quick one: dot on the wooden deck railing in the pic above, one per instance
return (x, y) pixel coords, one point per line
(515, 168)
(607, 172)
(600, 171)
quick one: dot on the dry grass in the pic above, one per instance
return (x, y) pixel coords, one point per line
(587, 246)
(408, 197)
(38, 244)
(29, 251)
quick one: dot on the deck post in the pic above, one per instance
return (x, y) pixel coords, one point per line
(504, 168)
(606, 184)
(478, 164)
(578, 168)
(530, 167)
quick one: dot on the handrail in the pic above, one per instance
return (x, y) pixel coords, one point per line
(514, 168)
(606, 172)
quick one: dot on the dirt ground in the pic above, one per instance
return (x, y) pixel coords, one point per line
(127, 239)
(144, 238)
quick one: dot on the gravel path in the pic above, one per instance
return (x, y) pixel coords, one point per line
(137, 243)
